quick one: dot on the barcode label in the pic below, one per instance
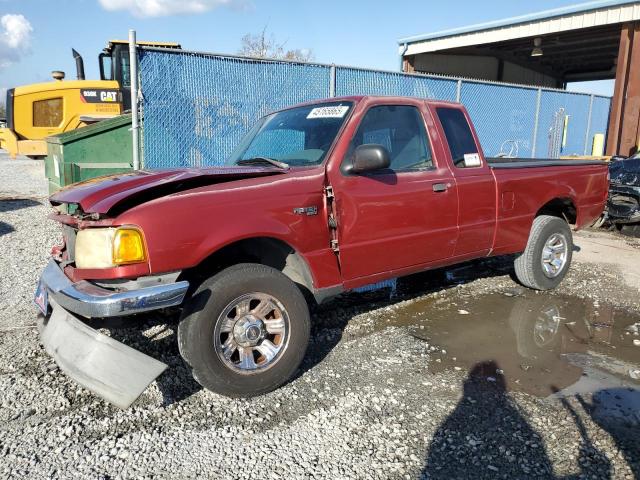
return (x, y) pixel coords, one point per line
(338, 111)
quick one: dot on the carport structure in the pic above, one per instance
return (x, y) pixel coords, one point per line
(598, 40)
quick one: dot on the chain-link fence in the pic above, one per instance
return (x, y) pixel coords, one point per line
(502, 115)
(197, 106)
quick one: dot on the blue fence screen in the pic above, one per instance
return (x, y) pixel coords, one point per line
(197, 107)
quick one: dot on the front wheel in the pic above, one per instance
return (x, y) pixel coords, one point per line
(546, 259)
(245, 331)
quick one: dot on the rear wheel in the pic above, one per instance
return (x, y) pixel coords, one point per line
(547, 257)
(245, 331)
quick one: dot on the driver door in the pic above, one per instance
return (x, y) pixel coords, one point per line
(399, 218)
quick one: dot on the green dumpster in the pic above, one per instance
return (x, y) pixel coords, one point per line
(100, 149)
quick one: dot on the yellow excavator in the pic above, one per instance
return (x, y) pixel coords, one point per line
(34, 112)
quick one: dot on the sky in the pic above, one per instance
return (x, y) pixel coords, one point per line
(36, 36)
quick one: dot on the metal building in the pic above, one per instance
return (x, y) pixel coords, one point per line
(597, 40)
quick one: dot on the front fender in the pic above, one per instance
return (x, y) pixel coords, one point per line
(182, 231)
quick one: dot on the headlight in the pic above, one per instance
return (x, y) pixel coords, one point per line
(109, 247)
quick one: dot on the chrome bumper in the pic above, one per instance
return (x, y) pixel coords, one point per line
(91, 301)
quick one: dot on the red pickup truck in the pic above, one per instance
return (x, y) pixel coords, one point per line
(317, 199)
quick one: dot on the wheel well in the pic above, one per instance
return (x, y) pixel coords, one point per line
(560, 207)
(263, 250)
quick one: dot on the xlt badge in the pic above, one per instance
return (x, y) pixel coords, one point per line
(306, 211)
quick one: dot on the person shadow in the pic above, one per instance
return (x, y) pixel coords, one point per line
(624, 428)
(487, 436)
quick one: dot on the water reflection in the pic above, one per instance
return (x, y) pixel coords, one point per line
(541, 342)
(546, 345)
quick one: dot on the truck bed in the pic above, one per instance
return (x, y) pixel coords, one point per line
(503, 163)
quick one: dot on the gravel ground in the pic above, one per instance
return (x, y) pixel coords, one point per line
(365, 405)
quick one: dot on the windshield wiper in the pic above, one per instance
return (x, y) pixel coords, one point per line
(262, 161)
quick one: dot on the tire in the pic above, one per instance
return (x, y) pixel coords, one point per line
(631, 230)
(536, 324)
(529, 265)
(224, 312)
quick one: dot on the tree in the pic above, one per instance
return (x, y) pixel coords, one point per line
(264, 45)
(3, 110)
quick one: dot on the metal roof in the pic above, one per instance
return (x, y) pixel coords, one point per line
(145, 44)
(520, 20)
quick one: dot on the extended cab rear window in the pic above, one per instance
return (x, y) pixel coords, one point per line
(462, 146)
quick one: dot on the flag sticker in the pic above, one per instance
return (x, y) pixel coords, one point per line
(337, 111)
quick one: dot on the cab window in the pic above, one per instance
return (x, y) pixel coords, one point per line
(125, 70)
(464, 152)
(106, 67)
(400, 129)
(47, 113)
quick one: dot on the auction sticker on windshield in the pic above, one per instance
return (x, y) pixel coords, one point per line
(337, 111)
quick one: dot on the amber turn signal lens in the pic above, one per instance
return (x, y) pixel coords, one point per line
(128, 246)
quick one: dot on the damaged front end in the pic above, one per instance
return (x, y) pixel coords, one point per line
(103, 269)
(623, 206)
(72, 304)
(115, 372)
(110, 369)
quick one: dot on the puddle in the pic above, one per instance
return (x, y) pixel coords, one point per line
(542, 344)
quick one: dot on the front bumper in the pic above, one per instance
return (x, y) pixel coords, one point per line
(91, 301)
(110, 369)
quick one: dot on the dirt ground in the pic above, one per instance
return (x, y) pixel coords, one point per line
(613, 250)
(456, 373)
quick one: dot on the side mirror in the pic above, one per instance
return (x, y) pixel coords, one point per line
(370, 157)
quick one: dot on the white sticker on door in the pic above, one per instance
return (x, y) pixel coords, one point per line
(337, 111)
(472, 160)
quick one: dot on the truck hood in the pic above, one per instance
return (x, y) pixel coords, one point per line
(100, 195)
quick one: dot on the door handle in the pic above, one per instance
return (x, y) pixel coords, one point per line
(441, 187)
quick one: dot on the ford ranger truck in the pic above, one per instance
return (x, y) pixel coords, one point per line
(316, 200)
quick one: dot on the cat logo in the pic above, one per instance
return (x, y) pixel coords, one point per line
(106, 96)
(100, 96)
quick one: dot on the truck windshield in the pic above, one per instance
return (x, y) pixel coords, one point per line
(300, 136)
